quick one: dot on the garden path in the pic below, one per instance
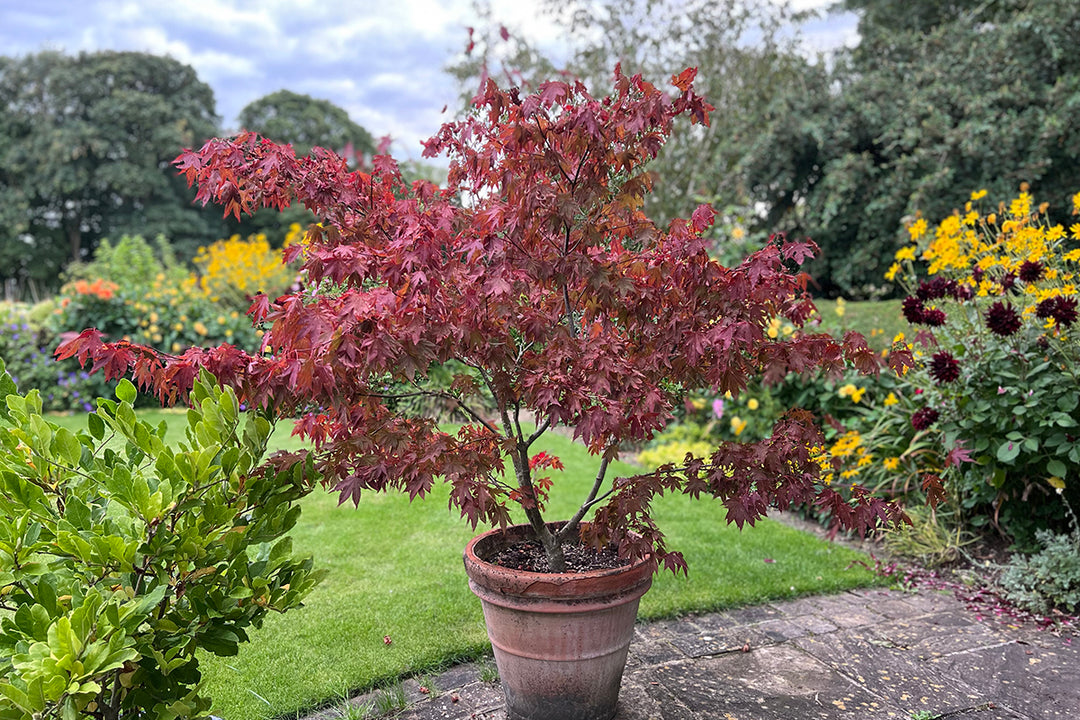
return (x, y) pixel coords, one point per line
(862, 654)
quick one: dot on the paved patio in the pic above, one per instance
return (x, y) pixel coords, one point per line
(862, 654)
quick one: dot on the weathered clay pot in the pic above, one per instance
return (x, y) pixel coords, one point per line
(560, 640)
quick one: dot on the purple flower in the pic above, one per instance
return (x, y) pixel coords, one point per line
(718, 408)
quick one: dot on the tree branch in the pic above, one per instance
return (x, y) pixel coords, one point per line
(572, 524)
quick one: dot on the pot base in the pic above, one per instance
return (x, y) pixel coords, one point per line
(560, 640)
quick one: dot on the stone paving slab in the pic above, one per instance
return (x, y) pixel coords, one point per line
(863, 654)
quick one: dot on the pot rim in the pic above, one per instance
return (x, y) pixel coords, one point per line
(579, 585)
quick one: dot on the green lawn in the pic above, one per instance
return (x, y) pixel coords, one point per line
(879, 321)
(395, 570)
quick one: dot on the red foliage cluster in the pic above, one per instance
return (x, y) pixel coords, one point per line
(535, 268)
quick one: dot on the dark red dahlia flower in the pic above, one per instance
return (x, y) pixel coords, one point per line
(1031, 271)
(913, 310)
(1007, 281)
(1065, 311)
(933, 317)
(1002, 319)
(924, 418)
(944, 367)
(937, 288)
(963, 292)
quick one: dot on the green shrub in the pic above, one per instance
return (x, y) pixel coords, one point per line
(1048, 579)
(121, 556)
(26, 346)
(997, 385)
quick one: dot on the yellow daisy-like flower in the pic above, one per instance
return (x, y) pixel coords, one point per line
(893, 269)
(906, 253)
(978, 195)
(737, 425)
(846, 390)
(856, 396)
(737, 233)
(752, 404)
(891, 463)
(891, 399)
(1076, 203)
(917, 229)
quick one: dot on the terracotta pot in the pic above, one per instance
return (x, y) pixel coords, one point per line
(560, 640)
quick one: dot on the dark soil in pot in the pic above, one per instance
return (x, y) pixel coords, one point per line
(529, 555)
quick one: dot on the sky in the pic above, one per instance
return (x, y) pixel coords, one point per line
(380, 60)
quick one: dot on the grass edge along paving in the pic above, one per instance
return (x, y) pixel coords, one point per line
(396, 601)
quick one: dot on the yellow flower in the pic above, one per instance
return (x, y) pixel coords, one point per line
(856, 396)
(737, 425)
(891, 399)
(200, 328)
(891, 463)
(905, 253)
(1076, 203)
(841, 307)
(176, 347)
(978, 195)
(698, 403)
(737, 233)
(917, 229)
(893, 269)
(752, 403)
(846, 390)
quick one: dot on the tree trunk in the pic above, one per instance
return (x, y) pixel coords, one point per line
(74, 234)
(552, 545)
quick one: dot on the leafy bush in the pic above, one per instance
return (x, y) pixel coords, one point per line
(121, 557)
(1048, 579)
(26, 347)
(234, 270)
(161, 305)
(997, 386)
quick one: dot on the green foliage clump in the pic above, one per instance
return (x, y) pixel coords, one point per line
(122, 557)
(1049, 579)
(132, 291)
(26, 345)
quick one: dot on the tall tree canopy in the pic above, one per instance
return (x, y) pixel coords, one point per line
(744, 51)
(938, 99)
(85, 147)
(304, 122)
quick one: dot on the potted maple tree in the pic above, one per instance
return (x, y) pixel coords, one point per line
(535, 272)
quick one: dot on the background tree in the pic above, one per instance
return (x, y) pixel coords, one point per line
(87, 142)
(303, 122)
(936, 101)
(746, 52)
